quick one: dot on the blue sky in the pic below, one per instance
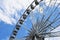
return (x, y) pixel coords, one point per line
(11, 11)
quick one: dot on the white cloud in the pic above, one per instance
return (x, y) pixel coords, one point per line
(9, 8)
(52, 2)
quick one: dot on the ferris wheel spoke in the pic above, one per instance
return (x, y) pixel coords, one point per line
(49, 25)
(51, 14)
(50, 34)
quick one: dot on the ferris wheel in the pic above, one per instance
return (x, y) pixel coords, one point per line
(47, 20)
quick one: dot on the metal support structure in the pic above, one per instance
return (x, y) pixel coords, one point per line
(32, 33)
(22, 18)
(50, 34)
(42, 38)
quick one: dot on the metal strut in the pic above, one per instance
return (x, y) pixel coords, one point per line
(22, 18)
(50, 34)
